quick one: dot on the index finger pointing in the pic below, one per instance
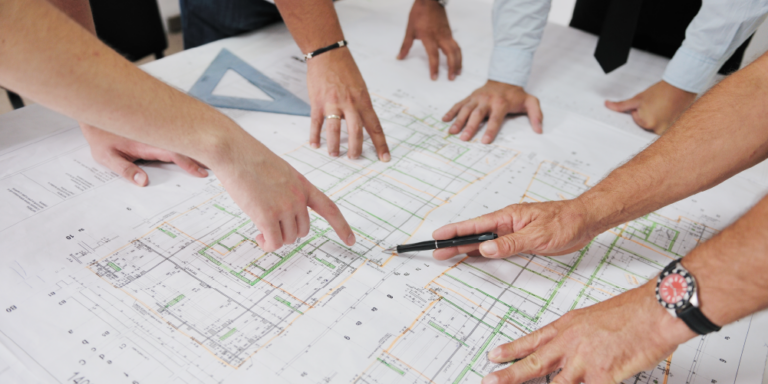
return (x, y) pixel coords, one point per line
(326, 208)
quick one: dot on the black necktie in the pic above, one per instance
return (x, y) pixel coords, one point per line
(618, 32)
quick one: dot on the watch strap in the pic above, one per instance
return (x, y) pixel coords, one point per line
(696, 321)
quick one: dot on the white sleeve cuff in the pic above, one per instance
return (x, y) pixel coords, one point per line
(510, 65)
(690, 71)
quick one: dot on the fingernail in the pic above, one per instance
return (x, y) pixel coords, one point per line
(139, 178)
(386, 157)
(202, 171)
(465, 136)
(351, 239)
(494, 354)
(314, 145)
(335, 154)
(490, 379)
(486, 140)
(434, 77)
(489, 248)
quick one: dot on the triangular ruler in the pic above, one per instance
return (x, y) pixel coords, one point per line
(283, 101)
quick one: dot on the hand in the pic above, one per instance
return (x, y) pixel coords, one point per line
(604, 343)
(429, 23)
(273, 194)
(656, 108)
(118, 154)
(493, 100)
(547, 229)
(336, 87)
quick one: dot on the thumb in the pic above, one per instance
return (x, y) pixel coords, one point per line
(326, 208)
(623, 106)
(125, 168)
(507, 245)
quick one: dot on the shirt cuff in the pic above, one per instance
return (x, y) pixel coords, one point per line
(690, 70)
(510, 65)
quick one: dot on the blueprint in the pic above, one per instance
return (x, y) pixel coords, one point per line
(104, 282)
(165, 284)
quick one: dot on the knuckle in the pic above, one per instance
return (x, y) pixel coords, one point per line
(535, 364)
(508, 244)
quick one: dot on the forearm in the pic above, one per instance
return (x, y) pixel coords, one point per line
(730, 268)
(49, 58)
(313, 24)
(77, 10)
(723, 133)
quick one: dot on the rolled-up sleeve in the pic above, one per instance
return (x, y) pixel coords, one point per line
(719, 28)
(517, 29)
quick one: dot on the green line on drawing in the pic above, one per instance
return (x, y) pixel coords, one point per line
(327, 264)
(174, 301)
(224, 210)
(442, 330)
(228, 334)
(392, 367)
(114, 266)
(167, 232)
(278, 298)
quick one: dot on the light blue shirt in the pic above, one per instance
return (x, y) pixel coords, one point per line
(719, 28)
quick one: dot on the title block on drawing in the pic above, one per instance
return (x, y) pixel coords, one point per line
(282, 101)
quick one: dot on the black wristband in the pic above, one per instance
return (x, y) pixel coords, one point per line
(696, 321)
(333, 46)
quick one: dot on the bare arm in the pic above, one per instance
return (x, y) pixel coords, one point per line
(721, 135)
(48, 57)
(619, 337)
(77, 10)
(335, 84)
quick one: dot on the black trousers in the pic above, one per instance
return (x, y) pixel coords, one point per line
(660, 28)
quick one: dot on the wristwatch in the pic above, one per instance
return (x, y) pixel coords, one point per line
(676, 292)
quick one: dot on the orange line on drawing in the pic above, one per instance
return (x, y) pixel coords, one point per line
(411, 326)
(199, 241)
(166, 321)
(305, 312)
(466, 298)
(641, 244)
(454, 195)
(411, 187)
(666, 372)
(177, 216)
(365, 370)
(351, 182)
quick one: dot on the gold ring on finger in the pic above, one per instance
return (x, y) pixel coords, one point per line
(333, 117)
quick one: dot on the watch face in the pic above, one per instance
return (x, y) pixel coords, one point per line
(674, 289)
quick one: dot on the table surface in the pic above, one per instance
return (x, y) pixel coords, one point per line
(565, 78)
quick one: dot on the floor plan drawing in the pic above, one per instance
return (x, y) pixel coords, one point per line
(183, 294)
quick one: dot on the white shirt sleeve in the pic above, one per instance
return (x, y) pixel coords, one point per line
(719, 28)
(517, 29)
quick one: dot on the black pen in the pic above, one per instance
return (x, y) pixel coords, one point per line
(436, 244)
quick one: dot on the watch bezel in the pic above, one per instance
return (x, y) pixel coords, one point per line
(690, 291)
